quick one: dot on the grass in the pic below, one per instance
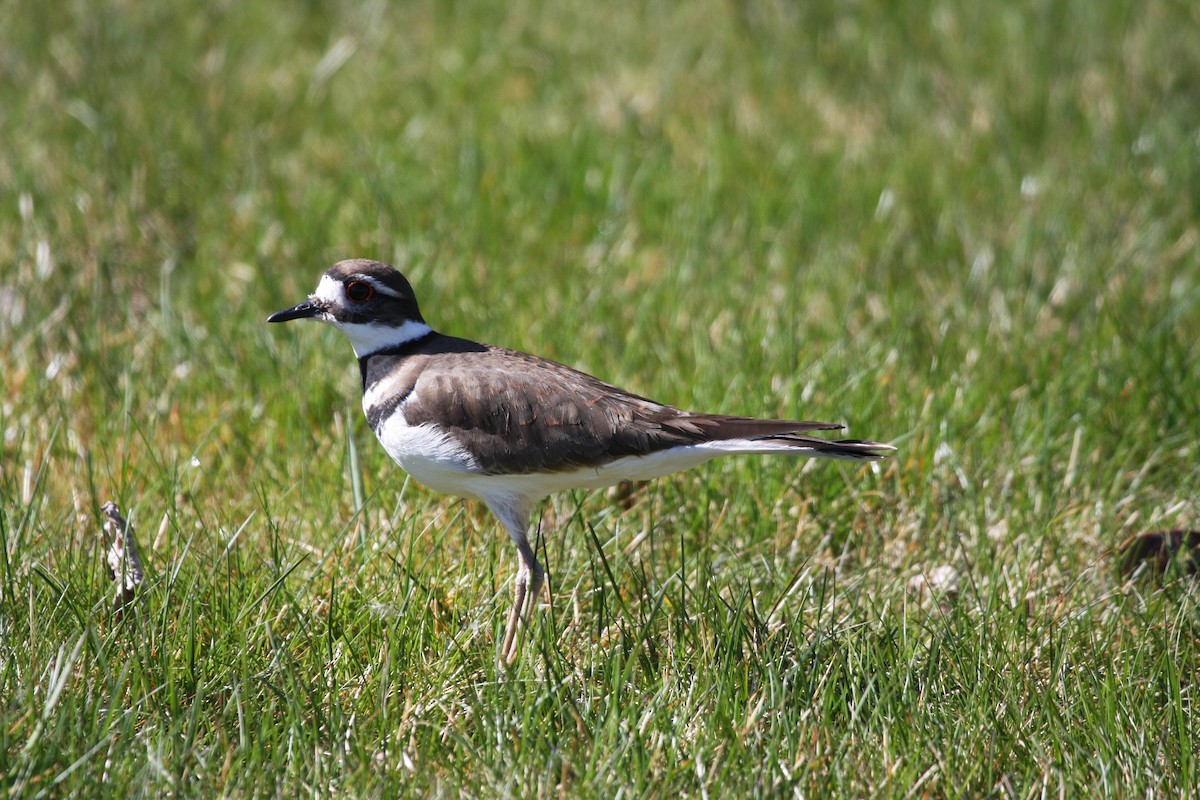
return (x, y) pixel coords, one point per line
(968, 230)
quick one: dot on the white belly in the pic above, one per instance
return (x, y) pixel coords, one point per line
(432, 457)
(438, 461)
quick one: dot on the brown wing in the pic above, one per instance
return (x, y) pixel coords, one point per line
(524, 414)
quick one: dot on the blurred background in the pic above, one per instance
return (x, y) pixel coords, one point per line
(922, 192)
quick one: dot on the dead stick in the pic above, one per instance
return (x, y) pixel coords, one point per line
(124, 563)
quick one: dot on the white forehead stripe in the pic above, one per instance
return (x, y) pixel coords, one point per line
(328, 290)
(331, 291)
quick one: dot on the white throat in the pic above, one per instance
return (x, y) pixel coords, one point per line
(371, 337)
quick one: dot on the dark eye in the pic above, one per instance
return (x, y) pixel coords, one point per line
(359, 291)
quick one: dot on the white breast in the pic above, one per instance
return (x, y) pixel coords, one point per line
(431, 456)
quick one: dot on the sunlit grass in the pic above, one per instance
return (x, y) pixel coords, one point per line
(968, 231)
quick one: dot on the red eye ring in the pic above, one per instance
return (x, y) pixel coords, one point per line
(359, 291)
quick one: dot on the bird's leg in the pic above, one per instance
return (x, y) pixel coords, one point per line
(536, 579)
(528, 584)
(508, 651)
(513, 512)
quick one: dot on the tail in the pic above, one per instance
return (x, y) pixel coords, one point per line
(748, 435)
(852, 449)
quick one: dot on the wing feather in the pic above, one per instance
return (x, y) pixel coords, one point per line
(524, 414)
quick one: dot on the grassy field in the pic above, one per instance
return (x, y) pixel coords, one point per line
(968, 229)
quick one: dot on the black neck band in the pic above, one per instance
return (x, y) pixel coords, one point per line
(399, 350)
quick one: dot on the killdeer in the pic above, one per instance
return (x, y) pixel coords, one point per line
(507, 428)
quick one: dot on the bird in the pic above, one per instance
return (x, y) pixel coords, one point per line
(509, 429)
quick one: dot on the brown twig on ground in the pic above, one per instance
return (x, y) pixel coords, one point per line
(121, 556)
(1159, 548)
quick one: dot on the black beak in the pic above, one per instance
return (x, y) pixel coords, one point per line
(300, 311)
